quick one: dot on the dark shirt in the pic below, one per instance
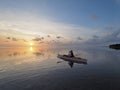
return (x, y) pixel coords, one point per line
(72, 55)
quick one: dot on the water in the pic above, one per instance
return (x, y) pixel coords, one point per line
(39, 69)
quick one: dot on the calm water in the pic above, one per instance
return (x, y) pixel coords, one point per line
(39, 69)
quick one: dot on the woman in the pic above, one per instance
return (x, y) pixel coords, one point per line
(71, 53)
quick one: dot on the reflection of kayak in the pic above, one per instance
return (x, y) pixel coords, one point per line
(72, 59)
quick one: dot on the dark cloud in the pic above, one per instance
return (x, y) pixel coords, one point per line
(95, 17)
(24, 40)
(48, 36)
(111, 37)
(42, 38)
(59, 37)
(8, 38)
(38, 39)
(95, 36)
(14, 39)
(79, 38)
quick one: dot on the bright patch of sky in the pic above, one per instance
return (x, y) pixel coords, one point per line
(71, 19)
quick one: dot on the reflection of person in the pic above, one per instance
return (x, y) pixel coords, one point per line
(71, 53)
(71, 64)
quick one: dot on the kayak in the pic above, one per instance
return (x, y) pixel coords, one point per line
(72, 59)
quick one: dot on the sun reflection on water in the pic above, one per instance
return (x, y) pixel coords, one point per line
(24, 55)
(31, 49)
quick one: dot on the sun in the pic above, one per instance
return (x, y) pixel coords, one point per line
(31, 44)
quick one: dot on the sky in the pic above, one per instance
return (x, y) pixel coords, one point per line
(53, 22)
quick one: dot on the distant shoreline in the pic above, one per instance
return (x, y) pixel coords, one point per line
(115, 46)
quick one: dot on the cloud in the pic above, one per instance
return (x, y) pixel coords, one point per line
(95, 17)
(59, 37)
(8, 38)
(48, 36)
(79, 38)
(111, 37)
(95, 37)
(30, 24)
(42, 38)
(14, 39)
(38, 39)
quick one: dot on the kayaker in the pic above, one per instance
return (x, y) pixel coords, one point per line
(71, 53)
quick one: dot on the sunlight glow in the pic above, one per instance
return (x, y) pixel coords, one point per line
(31, 44)
(31, 49)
